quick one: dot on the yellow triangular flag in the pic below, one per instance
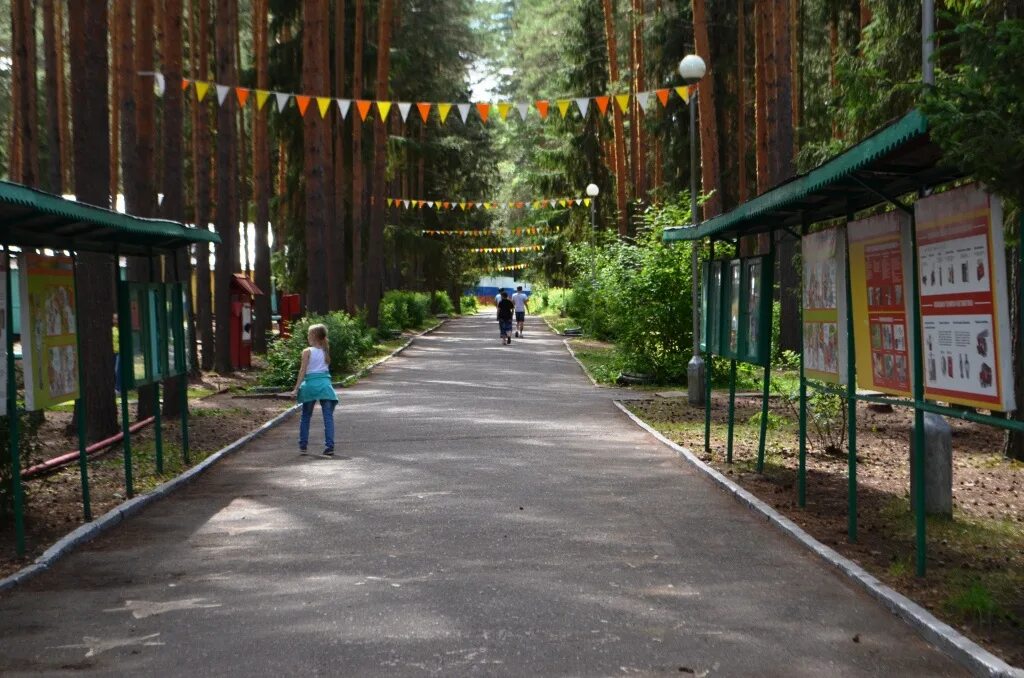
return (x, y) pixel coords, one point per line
(261, 98)
(503, 110)
(384, 107)
(586, 201)
(563, 106)
(443, 110)
(684, 93)
(323, 103)
(623, 101)
(201, 89)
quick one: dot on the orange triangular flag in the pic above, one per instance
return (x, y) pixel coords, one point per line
(364, 108)
(563, 106)
(542, 108)
(424, 109)
(201, 89)
(684, 93)
(323, 103)
(602, 104)
(242, 94)
(443, 110)
(261, 98)
(185, 82)
(623, 101)
(662, 96)
(484, 109)
(303, 102)
(503, 110)
(384, 107)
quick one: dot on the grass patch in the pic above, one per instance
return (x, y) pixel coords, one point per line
(557, 321)
(602, 362)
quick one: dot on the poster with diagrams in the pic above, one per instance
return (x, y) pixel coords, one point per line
(824, 305)
(879, 265)
(49, 330)
(964, 314)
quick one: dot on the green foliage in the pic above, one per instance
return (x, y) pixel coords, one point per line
(349, 338)
(401, 310)
(468, 305)
(29, 447)
(973, 602)
(826, 412)
(441, 303)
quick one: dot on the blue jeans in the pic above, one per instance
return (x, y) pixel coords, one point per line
(327, 407)
(505, 326)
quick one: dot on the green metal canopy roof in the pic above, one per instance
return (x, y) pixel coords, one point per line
(31, 218)
(896, 160)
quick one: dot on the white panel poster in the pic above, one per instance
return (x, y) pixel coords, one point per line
(964, 297)
(824, 305)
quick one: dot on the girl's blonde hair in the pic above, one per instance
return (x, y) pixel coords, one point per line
(319, 333)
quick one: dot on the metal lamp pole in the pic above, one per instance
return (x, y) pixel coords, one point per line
(592, 192)
(692, 68)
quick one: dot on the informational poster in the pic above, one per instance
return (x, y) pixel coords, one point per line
(712, 303)
(735, 273)
(879, 266)
(49, 336)
(964, 297)
(824, 305)
(756, 310)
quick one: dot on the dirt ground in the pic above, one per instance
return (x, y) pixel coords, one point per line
(54, 502)
(975, 577)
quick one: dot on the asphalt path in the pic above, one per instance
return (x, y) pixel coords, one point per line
(490, 513)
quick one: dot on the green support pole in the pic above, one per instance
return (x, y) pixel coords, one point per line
(851, 405)
(708, 365)
(158, 433)
(766, 351)
(801, 475)
(124, 334)
(916, 332)
(80, 408)
(12, 421)
(732, 409)
(185, 457)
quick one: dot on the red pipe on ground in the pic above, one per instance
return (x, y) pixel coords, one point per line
(70, 457)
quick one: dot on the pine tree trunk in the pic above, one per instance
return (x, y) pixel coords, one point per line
(762, 33)
(358, 183)
(640, 183)
(26, 168)
(782, 135)
(316, 145)
(173, 205)
(261, 182)
(144, 203)
(227, 225)
(337, 272)
(621, 178)
(375, 267)
(709, 150)
(200, 43)
(62, 100)
(51, 47)
(741, 98)
(114, 19)
(94, 276)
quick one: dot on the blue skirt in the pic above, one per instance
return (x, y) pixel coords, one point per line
(316, 386)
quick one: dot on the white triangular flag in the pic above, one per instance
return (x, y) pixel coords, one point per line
(430, 204)
(554, 203)
(282, 100)
(523, 110)
(404, 109)
(222, 93)
(159, 84)
(344, 105)
(583, 103)
(406, 203)
(464, 112)
(644, 99)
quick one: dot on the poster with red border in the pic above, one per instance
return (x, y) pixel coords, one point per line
(964, 314)
(49, 330)
(824, 305)
(880, 294)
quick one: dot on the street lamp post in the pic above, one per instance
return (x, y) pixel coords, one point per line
(592, 192)
(692, 68)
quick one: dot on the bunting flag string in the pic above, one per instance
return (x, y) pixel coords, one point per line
(479, 233)
(481, 110)
(466, 205)
(502, 250)
(513, 267)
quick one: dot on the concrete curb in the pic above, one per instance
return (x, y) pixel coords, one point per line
(89, 531)
(963, 650)
(580, 363)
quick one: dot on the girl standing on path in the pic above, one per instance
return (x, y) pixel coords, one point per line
(314, 384)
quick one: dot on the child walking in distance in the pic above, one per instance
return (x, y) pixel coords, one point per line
(505, 308)
(520, 300)
(314, 385)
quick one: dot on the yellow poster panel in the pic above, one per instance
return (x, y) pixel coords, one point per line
(824, 305)
(879, 271)
(49, 330)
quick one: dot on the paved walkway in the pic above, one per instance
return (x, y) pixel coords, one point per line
(496, 515)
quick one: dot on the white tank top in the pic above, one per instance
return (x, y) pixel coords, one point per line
(316, 361)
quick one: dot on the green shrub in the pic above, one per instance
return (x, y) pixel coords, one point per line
(468, 304)
(30, 445)
(443, 303)
(350, 339)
